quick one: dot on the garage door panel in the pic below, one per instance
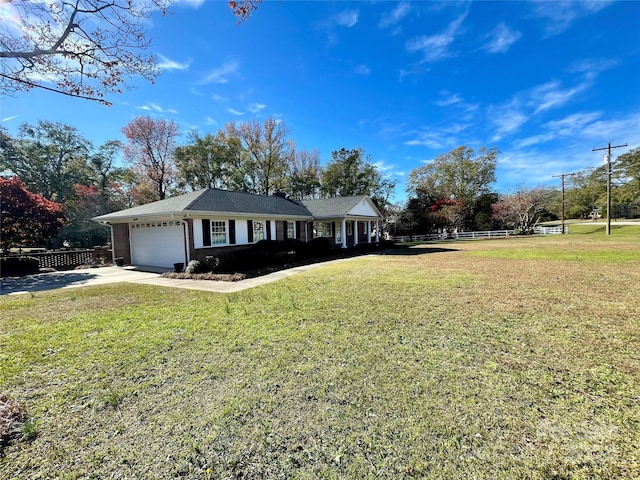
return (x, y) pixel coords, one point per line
(157, 244)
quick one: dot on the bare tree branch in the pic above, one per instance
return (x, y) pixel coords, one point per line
(80, 48)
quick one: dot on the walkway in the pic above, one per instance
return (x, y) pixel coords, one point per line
(147, 276)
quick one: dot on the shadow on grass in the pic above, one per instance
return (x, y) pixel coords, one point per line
(412, 250)
(43, 281)
(345, 254)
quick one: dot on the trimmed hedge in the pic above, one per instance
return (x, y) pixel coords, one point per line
(269, 253)
(196, 266)
(18, 266)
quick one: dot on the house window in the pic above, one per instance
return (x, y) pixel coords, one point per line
(258, 231)
(218, 232)
(291, 230)
(322, 229)
(349, 229)
(338, 233)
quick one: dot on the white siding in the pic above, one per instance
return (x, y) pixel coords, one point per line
(363, 208)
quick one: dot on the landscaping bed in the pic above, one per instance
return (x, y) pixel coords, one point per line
(268, 256)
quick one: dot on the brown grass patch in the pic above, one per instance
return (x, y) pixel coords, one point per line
(12, 416)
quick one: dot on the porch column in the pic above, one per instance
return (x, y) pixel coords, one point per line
(368, 231)
(344, 234)
(355, 233)
(377, 231)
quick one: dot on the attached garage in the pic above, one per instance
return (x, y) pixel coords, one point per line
(157, 244)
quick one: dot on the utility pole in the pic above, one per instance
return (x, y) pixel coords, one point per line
(607, 159)
(561, 176)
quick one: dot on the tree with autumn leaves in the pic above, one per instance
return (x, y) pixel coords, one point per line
(150, 150)
(26, 218)
(454, 190)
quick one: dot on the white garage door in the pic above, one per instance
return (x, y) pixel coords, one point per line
(157, 244)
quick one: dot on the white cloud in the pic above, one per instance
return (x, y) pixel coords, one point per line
(560, 15)
(536, 167)
(534, 140)
(221, 74)
(396, 15)
(501, 39)
(347, 18)
(506, 120)
(592, 67)
(219, 98)
(167, 64)
(154, 107)
(363, 70)
(234, 111)
(256, 107)
(431, 139)
(210, 121)
(190, 3)
(195, 91)
(436, 47)
(551, 95)
(509, 117)
(615, 130)
(7, 119)
(573, 124)
(448, 99)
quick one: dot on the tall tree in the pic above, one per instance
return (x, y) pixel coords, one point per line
(626, 170)
(26, 218)
(303, 179)
(89, 201)
(102, 164)
(52, 158)
(586, 193)
(270, 153)
(350, 173)
(212, 161)
(461, 174)
(9, 151)
(150, 148)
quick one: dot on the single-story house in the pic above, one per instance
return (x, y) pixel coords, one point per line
(205, 222)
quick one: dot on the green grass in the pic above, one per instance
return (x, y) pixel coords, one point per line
(459, 362)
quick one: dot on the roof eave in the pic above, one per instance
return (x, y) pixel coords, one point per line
(210, 213)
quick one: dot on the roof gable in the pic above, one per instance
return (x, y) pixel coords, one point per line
(339, 207)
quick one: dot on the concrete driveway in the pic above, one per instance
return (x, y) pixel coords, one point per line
(143, 275)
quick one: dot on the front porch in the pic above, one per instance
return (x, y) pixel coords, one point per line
(346, 233)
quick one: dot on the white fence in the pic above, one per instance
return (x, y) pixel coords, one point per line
(548, 230)
(472, 235)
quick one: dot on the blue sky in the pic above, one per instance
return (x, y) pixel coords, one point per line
(545, 82)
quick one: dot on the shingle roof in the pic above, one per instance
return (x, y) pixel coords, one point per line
(332, 207)
(240, 202)
(213, 200)
(161, 207)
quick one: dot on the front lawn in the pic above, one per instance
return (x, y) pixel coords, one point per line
(457, 360)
